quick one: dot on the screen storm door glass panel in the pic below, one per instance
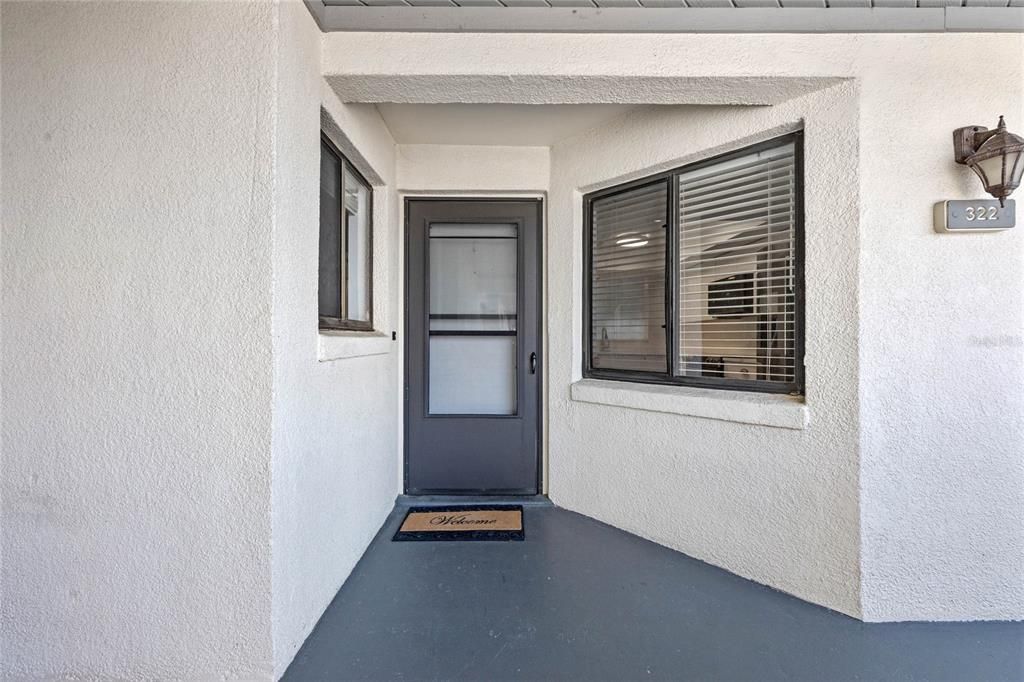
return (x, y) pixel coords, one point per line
(627, 287)
(472, 314)
(737, 281)
(345, 275)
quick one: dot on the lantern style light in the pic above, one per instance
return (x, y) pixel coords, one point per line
(996, 156)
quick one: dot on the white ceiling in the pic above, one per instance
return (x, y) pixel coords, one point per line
(494, 124)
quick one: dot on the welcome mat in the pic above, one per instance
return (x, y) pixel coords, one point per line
(496, 522)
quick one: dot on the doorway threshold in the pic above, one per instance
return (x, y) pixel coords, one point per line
(457, 500)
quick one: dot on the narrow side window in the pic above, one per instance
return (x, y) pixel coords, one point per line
(345, 298)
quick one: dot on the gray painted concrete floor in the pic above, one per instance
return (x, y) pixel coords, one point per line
(579, 600)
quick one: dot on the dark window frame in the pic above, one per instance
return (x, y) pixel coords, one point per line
(327, 323)
(796, 387)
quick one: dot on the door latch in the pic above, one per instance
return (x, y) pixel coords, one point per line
(533, 363)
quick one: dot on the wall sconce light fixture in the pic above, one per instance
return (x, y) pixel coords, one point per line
(996, 156)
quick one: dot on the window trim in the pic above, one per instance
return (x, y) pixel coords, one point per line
(327, 323)
(796, 387)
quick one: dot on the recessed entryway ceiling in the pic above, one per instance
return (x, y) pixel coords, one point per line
(494, 124)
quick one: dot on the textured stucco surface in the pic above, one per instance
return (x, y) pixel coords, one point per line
(185, 483)
(942, 319)
(904, 497)
(136, 356)
(335, 457)
(776, 505)
(472, 168)
(564, 69)
(638, 88)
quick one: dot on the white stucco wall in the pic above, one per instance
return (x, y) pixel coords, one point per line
(773, 503)
(136, 356)
(477, 169)
(942, 341)
(190, 470)
(335, 456)
(903, 496)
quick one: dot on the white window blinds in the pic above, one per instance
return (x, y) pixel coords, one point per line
(628, 279)
(736, 298)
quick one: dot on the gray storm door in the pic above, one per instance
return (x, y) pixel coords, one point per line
(472, 377)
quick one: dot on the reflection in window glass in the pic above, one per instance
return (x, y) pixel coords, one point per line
(628, 280)
(695, 274)
(357, 240)
(345, 277)
(736, 279)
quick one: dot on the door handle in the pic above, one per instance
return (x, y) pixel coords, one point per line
(533, 363)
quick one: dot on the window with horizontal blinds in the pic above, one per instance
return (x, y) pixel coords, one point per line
(737, 240)
(627, 286)
(729, 309)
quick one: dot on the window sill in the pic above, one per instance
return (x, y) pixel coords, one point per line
(763, 409)
(338, 345)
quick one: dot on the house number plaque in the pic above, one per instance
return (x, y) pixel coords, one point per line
(975, 215)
